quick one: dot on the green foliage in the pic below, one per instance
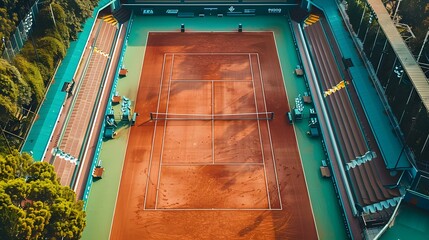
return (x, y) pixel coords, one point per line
(17, 7)
(46, 62)
(39, 215)
(8, 86)
(14, 165)
(416, 14)
(41, 171)
(68, 220)
(57, 30)
(7, 24)
(14, 91)
(33, 204)
(60, 31)
(44, 19)
(16, 189)
(31, 74)
(59, 13)
(55, 47)
(6, 169)
(28, 51)
(42, 58)
(25, 85)
(9, 214)
(7, 108)
(43, 191)
(77, 11)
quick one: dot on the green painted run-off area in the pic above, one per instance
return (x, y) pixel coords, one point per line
(102, 198)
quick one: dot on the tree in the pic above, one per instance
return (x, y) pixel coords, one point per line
(68, 220)
(55, 47)
(33, 204)
(38, 215)
(7, 24)
(16, 189)
(14, 91)
(44, 191)
(31, 74)
(38, 58)
(9, 215)
(14, 165)
(9, 90)
(77, 11)
(415, 13)
(60, 30)
(18, 7)
(41, 171)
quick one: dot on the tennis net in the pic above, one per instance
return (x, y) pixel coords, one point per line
(228, 116)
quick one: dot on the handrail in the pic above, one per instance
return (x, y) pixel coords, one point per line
(392, 218)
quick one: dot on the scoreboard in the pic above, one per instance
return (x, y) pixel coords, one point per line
(195, 8)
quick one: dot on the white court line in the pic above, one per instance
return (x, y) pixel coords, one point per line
(269, 134)
(213, 131)
(214, 209)
(212, 164)
(209, 116)
(208, 80)
(211, 53)
(259, 128)
(165, 130)
(154, 134)
(294, 131)
(126, 148)
(259, 131)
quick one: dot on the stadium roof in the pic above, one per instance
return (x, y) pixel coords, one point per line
(411, 67)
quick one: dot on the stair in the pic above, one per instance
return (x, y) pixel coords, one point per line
(110, 20)
(312, 18)
(122, 15)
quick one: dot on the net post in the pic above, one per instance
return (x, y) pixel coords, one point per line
(272, 116)
(151, 116)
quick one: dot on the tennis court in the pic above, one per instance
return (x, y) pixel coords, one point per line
(212, 145)
(211, 154)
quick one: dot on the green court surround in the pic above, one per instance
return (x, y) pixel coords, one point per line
(102, 197)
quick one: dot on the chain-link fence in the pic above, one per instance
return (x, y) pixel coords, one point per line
(16, 41)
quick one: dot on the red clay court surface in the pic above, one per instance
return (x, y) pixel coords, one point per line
(212, 179)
